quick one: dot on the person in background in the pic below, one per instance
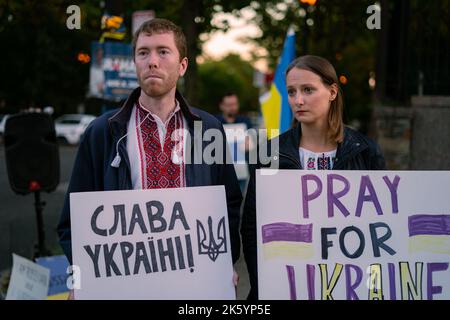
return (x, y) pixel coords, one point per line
(229, 106)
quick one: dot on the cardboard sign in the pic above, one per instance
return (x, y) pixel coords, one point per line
(152, 244)
(29, 281)
(352, 235)
(58, 275)
(236, 134)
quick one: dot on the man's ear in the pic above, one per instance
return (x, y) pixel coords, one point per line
(183, 66)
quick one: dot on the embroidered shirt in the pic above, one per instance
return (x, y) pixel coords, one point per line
(317, 161)
(156, 149)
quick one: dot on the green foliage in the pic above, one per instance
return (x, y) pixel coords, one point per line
(39, 61)
(39, 57)
(338, 33)
(229, 74)
(358, 63)
(39, 65)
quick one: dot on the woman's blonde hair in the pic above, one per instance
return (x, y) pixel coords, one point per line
(325, 70)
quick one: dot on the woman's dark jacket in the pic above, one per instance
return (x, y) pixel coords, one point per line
(356, 152)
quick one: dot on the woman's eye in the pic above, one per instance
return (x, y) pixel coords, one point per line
(291, 92)
(308, 90)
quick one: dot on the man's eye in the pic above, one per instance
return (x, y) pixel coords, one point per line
(164, 52)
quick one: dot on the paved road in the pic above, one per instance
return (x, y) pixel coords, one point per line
(18, 219)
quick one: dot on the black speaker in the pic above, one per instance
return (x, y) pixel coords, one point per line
(31, 152)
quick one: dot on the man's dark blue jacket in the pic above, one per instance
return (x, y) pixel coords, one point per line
(92, 170)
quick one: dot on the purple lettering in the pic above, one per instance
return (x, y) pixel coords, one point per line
(391, 269)
(333, 198)
(310, 272)
(393, 186)
(434, 267)
(372, 196)
(306, 196)
(291, 280)
(351, 294)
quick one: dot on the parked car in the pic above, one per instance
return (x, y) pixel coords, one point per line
(3, 118)
(70, 127)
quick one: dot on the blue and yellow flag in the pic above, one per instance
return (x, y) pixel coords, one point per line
(274, 104)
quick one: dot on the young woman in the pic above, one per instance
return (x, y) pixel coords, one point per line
(318, 140)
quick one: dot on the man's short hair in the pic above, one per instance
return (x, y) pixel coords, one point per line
(160, 26)
(227, 94)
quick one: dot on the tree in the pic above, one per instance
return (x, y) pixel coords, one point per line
(231, 74)
(40, 66)
(39, 61)
(334, 29)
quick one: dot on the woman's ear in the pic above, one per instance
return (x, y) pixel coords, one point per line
(333, 91)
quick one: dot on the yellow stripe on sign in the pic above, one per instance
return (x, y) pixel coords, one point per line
(271, 110)
(59, 296)
(428, 243)
(288, 249)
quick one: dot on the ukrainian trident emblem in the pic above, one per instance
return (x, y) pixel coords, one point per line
(210, 243)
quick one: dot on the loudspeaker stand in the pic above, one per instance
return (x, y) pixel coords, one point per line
(40, 248)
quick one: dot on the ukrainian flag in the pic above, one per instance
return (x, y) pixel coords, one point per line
(429, 233)
(287, 240)
(274, 104)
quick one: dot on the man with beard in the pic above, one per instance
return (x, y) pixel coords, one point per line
(145, 144)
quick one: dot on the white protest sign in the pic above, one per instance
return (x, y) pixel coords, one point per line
(29, 281)
(351, 235)
(236, 134)
(139, 17)
(152, 244)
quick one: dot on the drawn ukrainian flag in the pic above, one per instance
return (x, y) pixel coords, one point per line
(284, 239)
(274, 104)
(429, 233)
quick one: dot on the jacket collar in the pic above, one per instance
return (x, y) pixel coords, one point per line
(289, 146)
(119, 121)
(350, 146)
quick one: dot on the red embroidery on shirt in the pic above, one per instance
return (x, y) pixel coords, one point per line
(158, 169)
